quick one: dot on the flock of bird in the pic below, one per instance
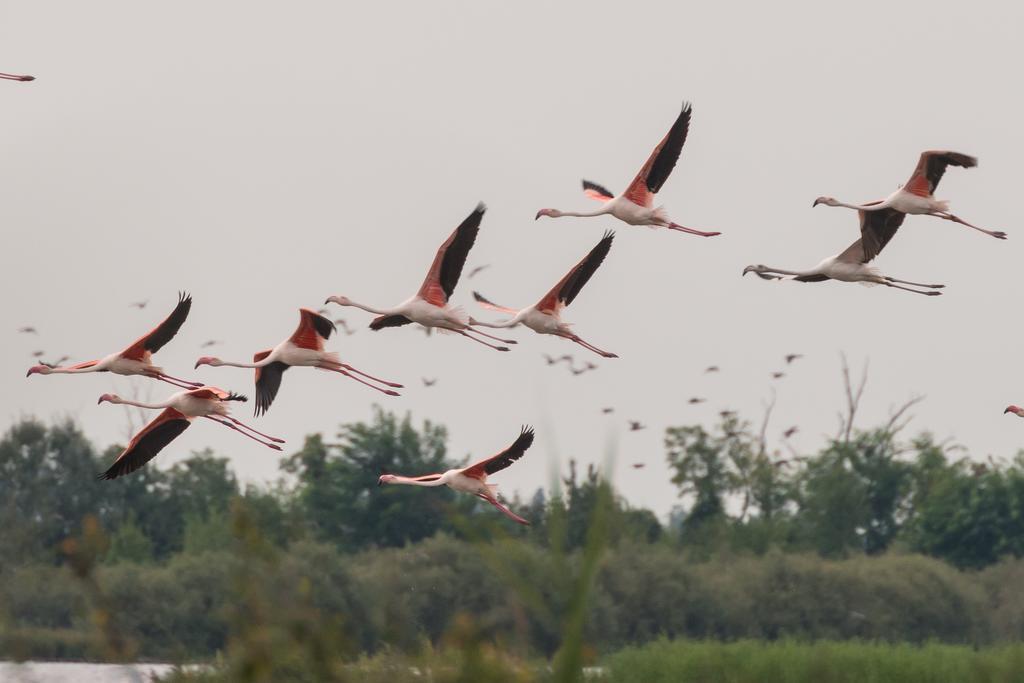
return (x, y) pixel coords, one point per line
(430, 307)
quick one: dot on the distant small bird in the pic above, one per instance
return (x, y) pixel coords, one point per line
(639, 465)
(790, 357)
(57, 362)
(38, 354)
(429, 382)
(139, 304)
(586, 368)
(781, 463)
(915, 197)
(636, 205)
(473, 479)
(607, 411)
(711, 368)
(552, 361)
(790, 432)
(726, 413)
(346, 329)
(28, 329)
(695, 400)
(208, 343)
(477, 270)
(16, 77)
(177, 414)
(778, 375)
(635, 426)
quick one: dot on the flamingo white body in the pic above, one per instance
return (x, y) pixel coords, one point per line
(877, 228)
(137, 358)
(429, 307)
(916, 196)
(473, 479)
(636, 206)
(178, 411)
(305, 348)
(545, 317)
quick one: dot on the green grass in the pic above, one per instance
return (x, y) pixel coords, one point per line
(823, 662)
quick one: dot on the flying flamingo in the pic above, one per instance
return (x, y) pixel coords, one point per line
(304, 348)
(429, 306)
(916, 196)
(136, 359)
(876, 229)
(544, 317)
(636, 205)
(473, 479)
(178, 412)
(16, 77)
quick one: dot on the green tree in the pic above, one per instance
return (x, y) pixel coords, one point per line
(129, 544)
(338, 490)
(47, 486)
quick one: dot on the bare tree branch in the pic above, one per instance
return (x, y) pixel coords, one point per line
(853, 396)
(894, 426)
(763, 439)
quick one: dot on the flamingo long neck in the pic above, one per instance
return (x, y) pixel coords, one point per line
(258, 364)
(863, 207)
(74, 371)
(413, 481)
(780, 271)
(371, 309)
(140, 404)
(790, 273)
(584, 214)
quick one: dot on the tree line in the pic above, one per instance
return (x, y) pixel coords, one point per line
(871, 536)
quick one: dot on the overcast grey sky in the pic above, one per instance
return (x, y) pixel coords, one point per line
(264, 155)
